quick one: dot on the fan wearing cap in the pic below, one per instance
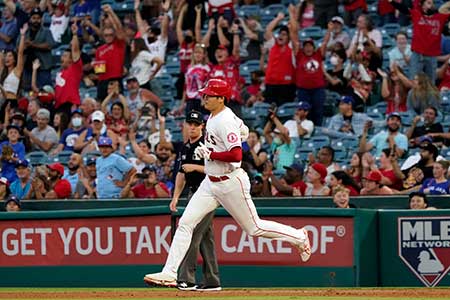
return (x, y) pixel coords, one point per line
(68, 79)
(12, 204)
(315, 185)
(60, 19)
(88, 139)
(86, 185)
(292, 183)
(280, 71)
(43, 137)
(38, 43)
(71, 134)
(386, 138)
(59, 188)
(309, 74)
(114, 172)
(300, 126)
(338, 34)
(21, 187)
(372, 185)
(347, 122)
(150, 187)
(11, 151)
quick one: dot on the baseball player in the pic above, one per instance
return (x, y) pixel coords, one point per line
(225, 184)
(191, 174)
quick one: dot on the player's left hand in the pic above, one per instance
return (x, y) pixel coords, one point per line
(202, 151)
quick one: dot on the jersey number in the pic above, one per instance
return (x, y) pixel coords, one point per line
(210, 139)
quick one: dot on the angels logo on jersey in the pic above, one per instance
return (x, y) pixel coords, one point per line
(424, 246)
(312, 66)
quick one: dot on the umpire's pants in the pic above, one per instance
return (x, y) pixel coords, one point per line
(203, 240)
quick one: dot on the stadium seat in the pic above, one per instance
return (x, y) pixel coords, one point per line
(248, 10)
(314, 32)
(302, 153)
(375, 116)
(388, 42)
(390, 29)
(351, 143)
(63, 157)
(317, 142)
(287, 110)
(329, 108)
(273, 9)
(37, 158)
(340, 153)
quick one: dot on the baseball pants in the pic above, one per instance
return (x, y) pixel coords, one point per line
(234, 195)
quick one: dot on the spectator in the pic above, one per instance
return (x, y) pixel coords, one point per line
(38, 45)
(254, 157)
(325, 156)
(438, 185)
(60, 19)
(137, 97)
(315, 185)
(386, 12)
(118, 117)
(341, 197)
(144, 65)
(110, 57)
(426, 41)
(338, 34)
(347, 122)
(86, 185)
(422, 94)
(412, 181)
(11, 73)
(372, 185)
(59, 188)
(12, 151)
(32, 109)
(443, 75)
(74, 168)
(60, 123)
(353, 11)
(151, 187)
(394, 89)
(401, 53)
(424, 161)
(306, 16)
(291, 184)
(12, 204)
(71, 134)
(418, 200)
(8, 30)
(22, 13)
(300, 126)
(387, 138)
(324, 11)
(282, 146)
(39, 187)
(390, 176)
(340, 178)
(252, 39)
(365, 33)
(356, 168)
(309, 72)
(21, 187)
(196, 76)
(43, 137)
(113, 171)
(335, 77)
(68, 79)
(88, 139)
(429, 128)
(280, 71)
(4, 188)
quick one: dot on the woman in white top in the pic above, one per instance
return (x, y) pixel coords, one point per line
(144, 65)
(12, 68)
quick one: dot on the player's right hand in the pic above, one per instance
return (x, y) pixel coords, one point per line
(173, 205)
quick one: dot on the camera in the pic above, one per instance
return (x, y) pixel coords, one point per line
(272, 111)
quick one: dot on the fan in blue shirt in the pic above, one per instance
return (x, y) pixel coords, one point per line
(12, 151)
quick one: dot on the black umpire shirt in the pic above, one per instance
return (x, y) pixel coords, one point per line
(187, 156)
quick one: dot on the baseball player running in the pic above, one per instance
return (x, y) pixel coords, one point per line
(225, 184)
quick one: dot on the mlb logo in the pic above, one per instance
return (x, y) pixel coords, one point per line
(424, 246)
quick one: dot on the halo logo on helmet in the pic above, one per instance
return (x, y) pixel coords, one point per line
(217, 87)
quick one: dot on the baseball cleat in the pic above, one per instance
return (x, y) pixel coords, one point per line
(160, 279)
(305, 248)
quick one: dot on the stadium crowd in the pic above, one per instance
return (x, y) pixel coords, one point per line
(342, 98)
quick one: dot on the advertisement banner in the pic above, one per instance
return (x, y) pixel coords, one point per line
(142, 240)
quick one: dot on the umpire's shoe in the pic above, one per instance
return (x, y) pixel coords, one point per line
(186, 286)
(160, 279)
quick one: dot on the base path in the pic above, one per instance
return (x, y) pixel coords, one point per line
(153, 293)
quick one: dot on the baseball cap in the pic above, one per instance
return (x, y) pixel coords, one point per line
(150, 168)
(98, 116)
(91, 161)
(347, 100)
(36, 11)
(77, 111)
(428, 146)
(18, 116)
(56, 167)
(13, 199)
(194, 117)
(310, 41)
(295, 166)
(105, 141)
(393, 115)
(321, 169)
(22, 163)
(4, 181)
(63, 189)
(337, 19)
(12, 126)
(304, 105)
(373, 176)
(131, 78)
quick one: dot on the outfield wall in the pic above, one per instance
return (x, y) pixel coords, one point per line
(116, 246)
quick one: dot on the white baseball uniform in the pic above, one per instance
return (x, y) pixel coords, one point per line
(228, 185)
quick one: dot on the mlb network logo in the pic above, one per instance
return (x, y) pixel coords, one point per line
(424, 246)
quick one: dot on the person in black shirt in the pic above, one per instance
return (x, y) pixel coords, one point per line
(335, 77)
(429, 127)
(191, 174)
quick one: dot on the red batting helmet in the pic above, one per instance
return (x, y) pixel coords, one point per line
(216, 87)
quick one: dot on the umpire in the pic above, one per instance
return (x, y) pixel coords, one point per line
(191, 174)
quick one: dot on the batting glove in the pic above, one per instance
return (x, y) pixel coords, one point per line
(202, 152)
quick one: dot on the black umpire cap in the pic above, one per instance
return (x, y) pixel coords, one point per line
(194, 117)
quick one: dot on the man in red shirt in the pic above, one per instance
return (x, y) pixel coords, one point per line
(309, 74)
(292, 183)
(428, 25)
(280, 70)
(227, 68)
(68, 80)
(109, 58)
(149, 188)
